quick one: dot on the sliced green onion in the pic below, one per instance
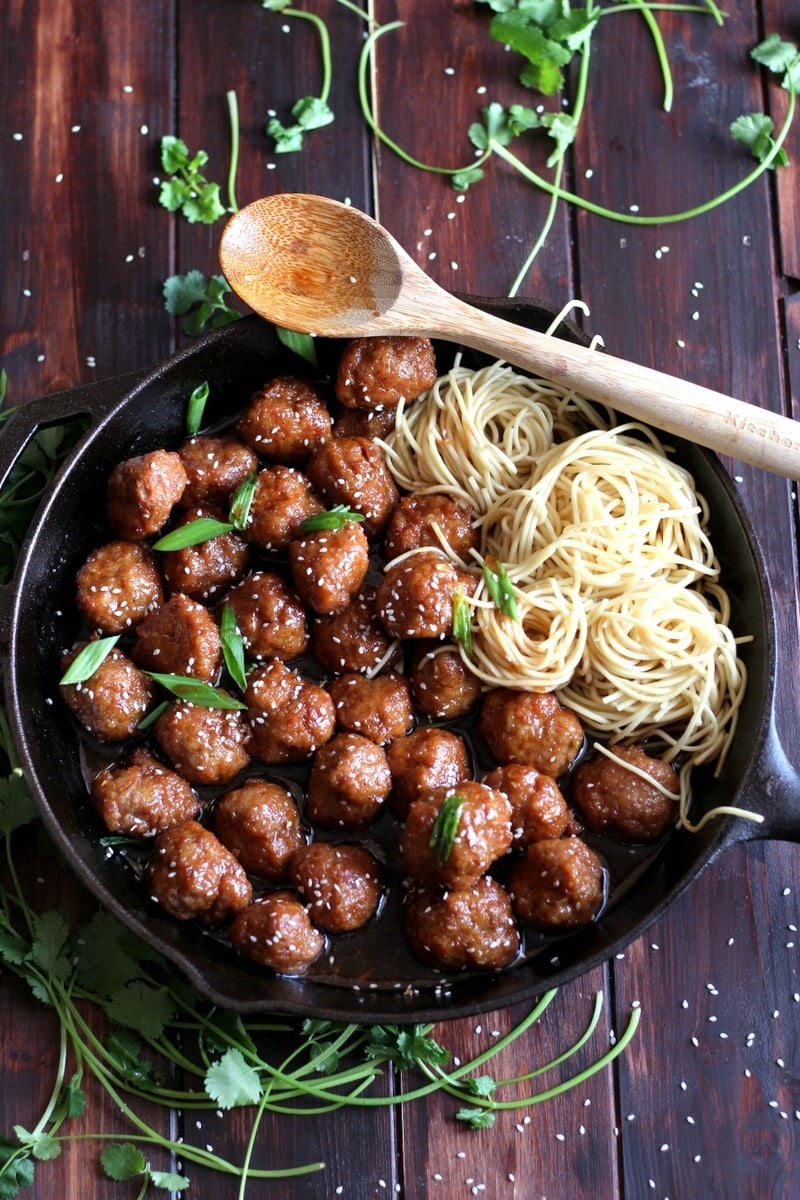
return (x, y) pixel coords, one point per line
(300, 343)
(462, 621)
(333, 518)
(87, 660)
(192, 533)
(153, 715)
(196, 407)
(240, 502)
(232, 647)
(445, 827)
(196, 691)
(500, 588)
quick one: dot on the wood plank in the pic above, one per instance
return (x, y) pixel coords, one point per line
(724, 333)
(566, 1146)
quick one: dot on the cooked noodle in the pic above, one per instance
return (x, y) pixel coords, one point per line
(615, 580)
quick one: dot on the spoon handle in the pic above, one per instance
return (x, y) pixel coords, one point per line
(742, 431)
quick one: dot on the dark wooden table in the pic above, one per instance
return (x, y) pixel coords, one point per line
(706, 1101)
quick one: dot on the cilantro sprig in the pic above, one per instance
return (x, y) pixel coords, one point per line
(187, 190)
(309, 112)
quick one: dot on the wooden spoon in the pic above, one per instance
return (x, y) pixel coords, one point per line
(317, 266)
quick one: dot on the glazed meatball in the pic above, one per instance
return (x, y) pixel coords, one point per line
(379, 708)
(141, 493)
(426, 759)
(270, 617)
(348, 783)
(329, 566)
(285, 420)
(290, 717)
(276, 932)
(482, 835)
(353, 639)
(215, 467)
(282, 500)
(117, 586)
(205, 569)
(364, 422)
(341, 884)
(468, 927)
(557, 885)
(538, 809)
(261, 824)
(414, 521)
(180, 638)
(442, 684)
(415, 597)
(113, 701)
(613, 797)
(207, 745)
(192, 875)
(352, 471)
(530, 727)
(379, 372)
(141, 796)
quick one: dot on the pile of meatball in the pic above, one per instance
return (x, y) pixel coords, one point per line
(352, 672)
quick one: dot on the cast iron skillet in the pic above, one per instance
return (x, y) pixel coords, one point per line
(379, 981)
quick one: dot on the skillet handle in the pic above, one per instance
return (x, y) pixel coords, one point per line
(91, 401)
(773, 789)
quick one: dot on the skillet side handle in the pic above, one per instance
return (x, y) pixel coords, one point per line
(772, 789)
(91, 400)
(25, 421)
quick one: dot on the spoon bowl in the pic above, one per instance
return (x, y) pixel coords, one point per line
(317, 266)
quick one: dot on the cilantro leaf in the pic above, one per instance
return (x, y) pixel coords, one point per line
(49, 946)
(461, 181)
(41, 1145)
(546, 56)
(107, 955)
(309, 112)
(122, 1161)
(16, 806)
(17, 1171)
(126, 1051)
(476, 1118)
(754, 130)
(232, 1082)
(200, 301)
(169, 1181)
(142, 1007)
(562, 128)
(405, 1047)
(71, 1099)
(777, 56)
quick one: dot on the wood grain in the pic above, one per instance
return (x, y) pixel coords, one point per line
(86, 92)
